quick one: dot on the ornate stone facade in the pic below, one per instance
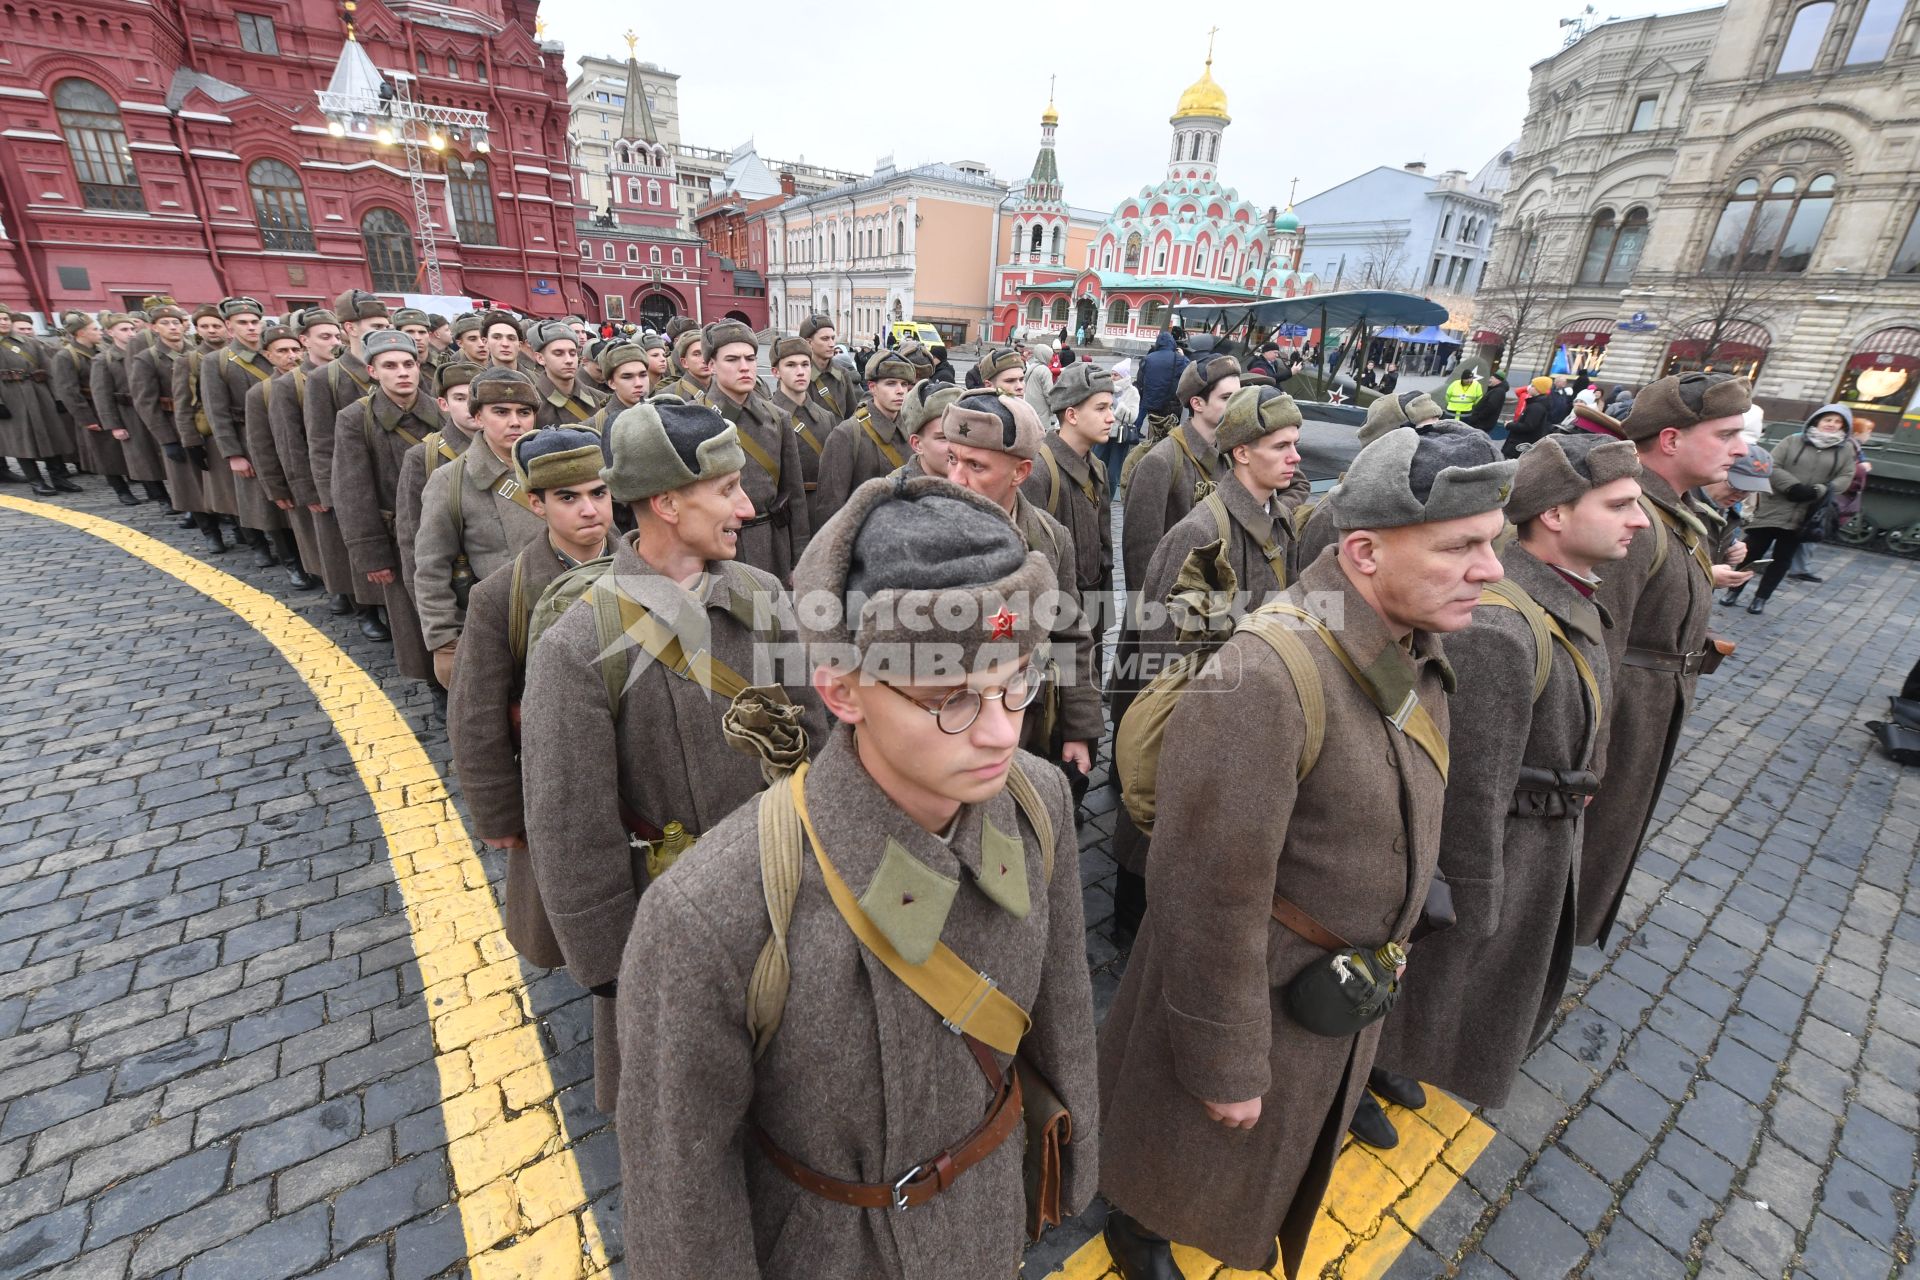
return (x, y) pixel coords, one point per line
(1735, 188)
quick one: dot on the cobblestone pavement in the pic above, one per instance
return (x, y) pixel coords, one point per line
(230, 1045)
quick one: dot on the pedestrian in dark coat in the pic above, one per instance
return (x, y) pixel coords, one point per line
(1482, 993)
(1159, 379)
(562, 467)
(595, 772)
(860, 1080)
(1491, 407)
(1221, 1115)
(1687, 429)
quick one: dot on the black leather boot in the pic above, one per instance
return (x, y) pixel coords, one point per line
(340, 606)
(289, 551)
(1371, 1126)
(8, 475)
(60, 476)
(370, 625)
(36, 477)
(262, 552)
(125, 490)
(157, 492)
(1138, 1253)
(1400, 1090)
(210, 530)
(185, 521)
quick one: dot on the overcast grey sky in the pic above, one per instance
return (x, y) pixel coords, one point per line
(1321, 91)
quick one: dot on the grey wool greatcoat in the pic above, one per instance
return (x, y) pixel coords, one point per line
(150, 379)
(774, 546)
(851, 459)
(1080, 502)
(1151, 641)
(1160, 492)
(270, 476)
(491, 532)
(371, 436)
(113, 401)
(225, 378)
(329, 389)
(837, 392)
(72, 370)
(565, 409)
(663, 756)
(286, 418)
(810, 423)
(191, 424)
(487, 685)
(1661, 613)
(415, 469)
(1199, 1016)
(1081, 717)
(861, 1081)
(1477, 996)
(1316, 535)
(30, 429)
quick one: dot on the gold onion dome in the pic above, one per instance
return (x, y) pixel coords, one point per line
(1204, 97)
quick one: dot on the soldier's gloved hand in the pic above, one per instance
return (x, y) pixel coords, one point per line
(174, 452)
(199, 455)
(1802, 493)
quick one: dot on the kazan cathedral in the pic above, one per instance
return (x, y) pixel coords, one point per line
(1186, 238)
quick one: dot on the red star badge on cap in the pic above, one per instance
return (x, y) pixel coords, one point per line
(1003, 623)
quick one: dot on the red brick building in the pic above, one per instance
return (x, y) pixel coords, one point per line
(177, 146)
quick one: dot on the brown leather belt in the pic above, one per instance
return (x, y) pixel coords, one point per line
(929, 1178)
(1307, 927)
(1685, 664)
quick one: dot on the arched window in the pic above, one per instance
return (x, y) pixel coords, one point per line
(1033, 310)
(606, 252)
(1038, 232)
(97, 142)
(472, 202)
(633, 190)
(1117, 312)
(1804, 38)
(679, 259)
(900, 236)
(280, 207)
(1160, 256)
(653, 192)
(1059, 243)
(1906, 259)
(1213, 146)
(1059, 310)
(389, 249)
(653, 255)
(1131, 263)
(1771, 231)
(586, 249)
(1874, 36)
(633, 253)
(1150, 313)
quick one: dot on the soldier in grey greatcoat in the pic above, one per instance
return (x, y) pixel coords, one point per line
(775, 477)
(343, 381)
(835, 390)
(868, 443)
(1182, 469)
(190, 416)
(112, 390)
(922, 421)
(804, 413)
(30, 430)
(655, 763)
(225, 380)
(370, 439)
(835, 1127)
(1221, 1112)
(1070, 483)
(1687, 429)
(322, 550)
(451, 384)
(475, 509)
(562, 466)
(150, 382)
(71, 367)
(565, 398)
(282, 348)
(1483, 992)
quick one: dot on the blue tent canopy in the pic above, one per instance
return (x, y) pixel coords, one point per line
(1319, 311)
(1428, 336)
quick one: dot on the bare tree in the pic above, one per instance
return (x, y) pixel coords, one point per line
(1728, 307)
(1386, 264)
(1520, 307)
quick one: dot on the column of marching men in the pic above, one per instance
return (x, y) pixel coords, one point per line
(779, 693)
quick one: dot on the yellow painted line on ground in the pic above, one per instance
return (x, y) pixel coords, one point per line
(1374, 1204)
(516, 1184)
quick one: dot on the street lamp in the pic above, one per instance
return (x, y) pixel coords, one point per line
(361, 101)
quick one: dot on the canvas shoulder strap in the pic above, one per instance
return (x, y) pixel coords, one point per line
(782, 857)
(768, 463)
(1287, 646)
(259, 375)
(518, 614)
(887, 451)
(1053, 481)
(1274, 552)
(804, 429)
(617, 614)
(1547, 632)
(1691, 533)
(1411, 718)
